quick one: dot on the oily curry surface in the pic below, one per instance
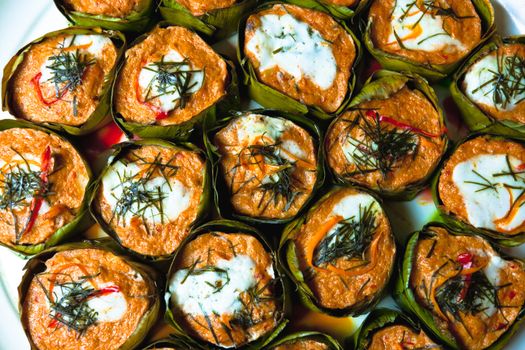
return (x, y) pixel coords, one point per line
(110, 8)
(471, 291)
(41, 100)
(130, 103)
(406, 111)
(345, 282)
(201, 7)
(305, 90)
(38, 167)
(91, 274)
(141, 234)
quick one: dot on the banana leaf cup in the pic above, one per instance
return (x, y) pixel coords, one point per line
(78, 222)
(178, 131)
(432, 72)
(304, 339)
(101, 113)
(477, 118)
(217, 23)
(406, 105)
(59, 324)
(305, 255)
(159, 160)
(136, 20)
(230, 239)
(280, 99)
(405, 293)
(223, 192)
(484, 181)
(168, 343)
(380, 319)
(338, 11)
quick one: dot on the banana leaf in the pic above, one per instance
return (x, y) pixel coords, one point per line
(182, 131)
(432, 72)
(322, 338)
(381, 85)
(136, 21)
(229, 226)
(171, 342)
(456, 224)
(404, 296)
(289, 259)
(37, 264)
(102, 113)
(473, 116)
(375, 321)
(338, 11)
(121, 150)
(271, 98)
(221, 193)
(217, 24)
(81, 221)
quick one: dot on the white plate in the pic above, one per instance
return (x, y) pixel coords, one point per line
(24, 20)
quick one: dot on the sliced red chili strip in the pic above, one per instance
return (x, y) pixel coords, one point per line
(36, 84)
(374, 114)
(36, 202)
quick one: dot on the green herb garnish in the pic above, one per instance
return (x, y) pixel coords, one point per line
(171, 78)
(381, 147)
(350, 238)
(507, 83)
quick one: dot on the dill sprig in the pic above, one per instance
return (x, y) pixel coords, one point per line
(67, 70)
(70, 307)
(136, 198)
(381, 147)
(18, 184)
(171, 78)
(350, 238)
(280, 185)
(479, 296)
(430, 7)
(507, 82)
(250, 314)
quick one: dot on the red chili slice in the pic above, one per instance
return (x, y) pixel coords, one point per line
(374, 114)
(36, 202)
(36, 84)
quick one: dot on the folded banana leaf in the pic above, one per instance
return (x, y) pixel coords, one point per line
(230, 226)
(298, 337)
(376, 320)
(475, 118)
(121, 150)
(217, 24)
(37, 264)
(102, 113)
(81, 221)
(405, 297)
(381, 85)
(432, 72)
(221, 193)
(137, 21)
(271, 98)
